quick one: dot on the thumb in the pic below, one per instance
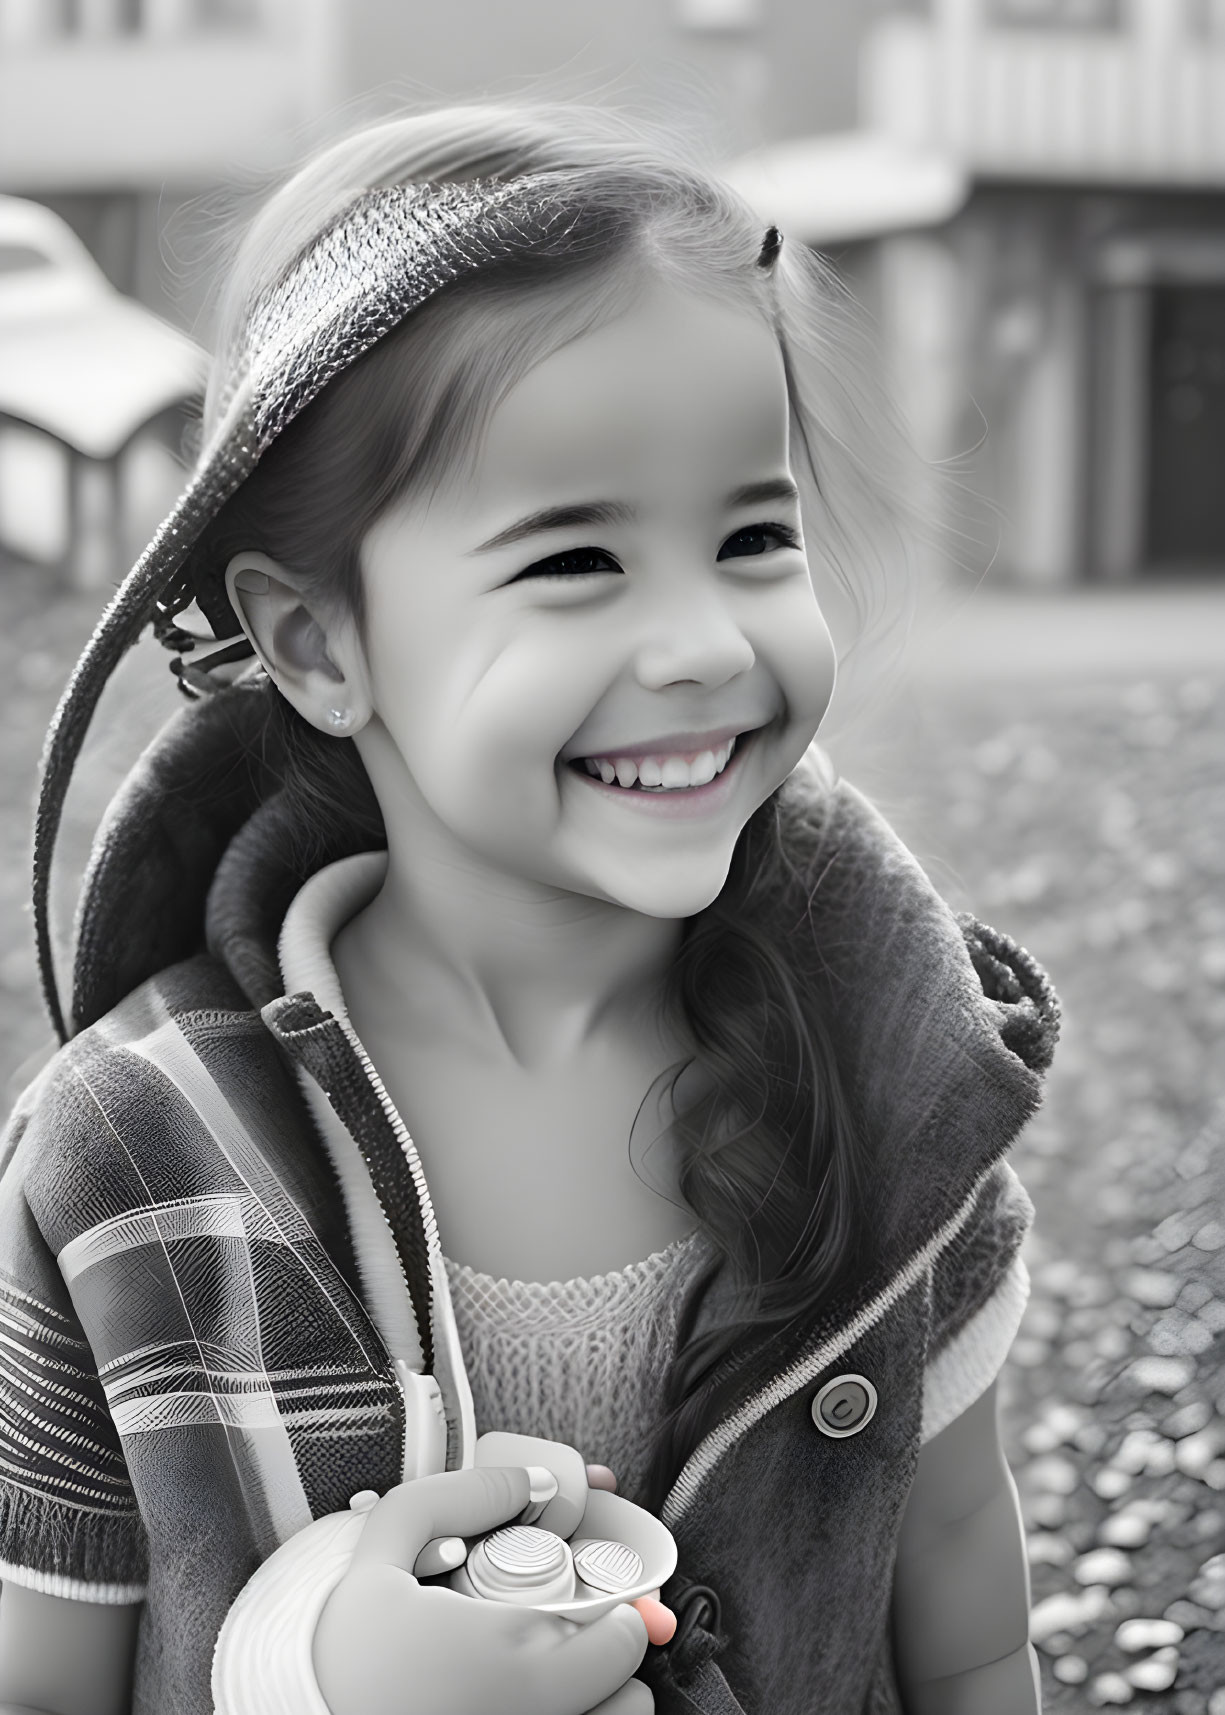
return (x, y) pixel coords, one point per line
(451, 1503)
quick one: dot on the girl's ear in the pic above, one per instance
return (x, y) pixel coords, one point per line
(315, 662)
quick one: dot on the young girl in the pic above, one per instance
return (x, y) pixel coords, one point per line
(499, 926)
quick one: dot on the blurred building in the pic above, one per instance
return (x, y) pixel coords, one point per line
(1030, 194)
(1075, 304)
(114, 111)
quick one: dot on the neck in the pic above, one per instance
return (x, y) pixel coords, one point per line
(527, 972)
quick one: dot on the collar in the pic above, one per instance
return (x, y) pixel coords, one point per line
(320, 910)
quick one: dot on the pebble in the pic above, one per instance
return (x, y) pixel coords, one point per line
(1067, 1612)
(1091, 1439)
(1189, 1615)
(1195, 1453)
(1152, 1287)
(1111, 1342)
(1043, 1320)
(1134, 1635)
(1103, 1566)
(1210, 1237)
(1208, 1585)
(1058, 1425)
(1110, 1688)
(1158, 1673)
(1167, 1375)
(1179, 1333)
(1071, 1670)
(1144, 1451)
(1187, 1420)
(1110, 1482)
(1053, 1474)
(1048, 1512)
(1047, 1548)
(1216, 1703)
(1059, 1277)
(1126, 1529)
(1174, 1233)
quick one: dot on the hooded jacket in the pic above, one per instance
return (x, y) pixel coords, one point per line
(196, 1364)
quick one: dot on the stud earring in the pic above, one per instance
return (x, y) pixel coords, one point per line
(340, 720)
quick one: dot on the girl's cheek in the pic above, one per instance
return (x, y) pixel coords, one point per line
(808, 666)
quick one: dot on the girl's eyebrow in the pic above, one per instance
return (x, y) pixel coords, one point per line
(559, 518)
(759, 493)
(599, 512)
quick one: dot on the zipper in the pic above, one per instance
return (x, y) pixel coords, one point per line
(424, 1445)
(425, 1417)
(407, 1148)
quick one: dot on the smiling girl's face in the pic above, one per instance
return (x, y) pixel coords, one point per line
(562, 645)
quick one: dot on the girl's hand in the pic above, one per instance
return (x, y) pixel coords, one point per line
(385, 1645)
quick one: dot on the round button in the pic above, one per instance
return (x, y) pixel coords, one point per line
(844, 1406)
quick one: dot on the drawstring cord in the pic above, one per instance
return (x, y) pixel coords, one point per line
(697, 1678)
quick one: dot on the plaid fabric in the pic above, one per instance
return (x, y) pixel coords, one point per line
(189, 1373)
(222, 1382)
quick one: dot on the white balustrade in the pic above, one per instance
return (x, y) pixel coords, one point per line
(29, 21)
(1145, 102)
(168, 20)
(99, 20)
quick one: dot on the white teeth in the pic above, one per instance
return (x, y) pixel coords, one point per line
(702, 768)
(666, 774)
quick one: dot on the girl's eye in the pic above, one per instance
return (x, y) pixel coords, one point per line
(758, 539)
(574, 563)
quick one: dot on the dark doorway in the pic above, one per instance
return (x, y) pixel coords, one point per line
(1186, 497)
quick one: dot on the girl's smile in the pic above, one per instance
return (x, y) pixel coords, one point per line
(666, 781)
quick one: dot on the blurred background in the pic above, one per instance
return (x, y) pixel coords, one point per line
(1028, 199)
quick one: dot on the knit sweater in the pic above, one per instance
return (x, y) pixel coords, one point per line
(578, 1361)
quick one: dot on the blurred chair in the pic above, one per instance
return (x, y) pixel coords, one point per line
(88, 380)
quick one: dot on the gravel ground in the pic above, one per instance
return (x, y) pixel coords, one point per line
(1087, 818)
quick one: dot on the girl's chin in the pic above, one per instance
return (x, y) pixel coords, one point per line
(668, 897)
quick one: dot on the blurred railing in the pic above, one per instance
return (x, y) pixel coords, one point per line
(23, 21)
(1141, 98)
(95, 93)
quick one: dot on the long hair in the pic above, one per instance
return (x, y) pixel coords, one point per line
(773, 1165)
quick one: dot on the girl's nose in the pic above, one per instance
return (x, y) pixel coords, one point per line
(693, 640)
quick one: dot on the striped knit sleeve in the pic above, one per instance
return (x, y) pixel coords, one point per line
(979, 1290)
(69, 1524)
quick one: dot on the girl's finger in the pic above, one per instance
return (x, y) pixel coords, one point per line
(634, 1698)
(440, 1554)
(660, 1621)
(453, 1503)
(600, 1477)
(593, 1663)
